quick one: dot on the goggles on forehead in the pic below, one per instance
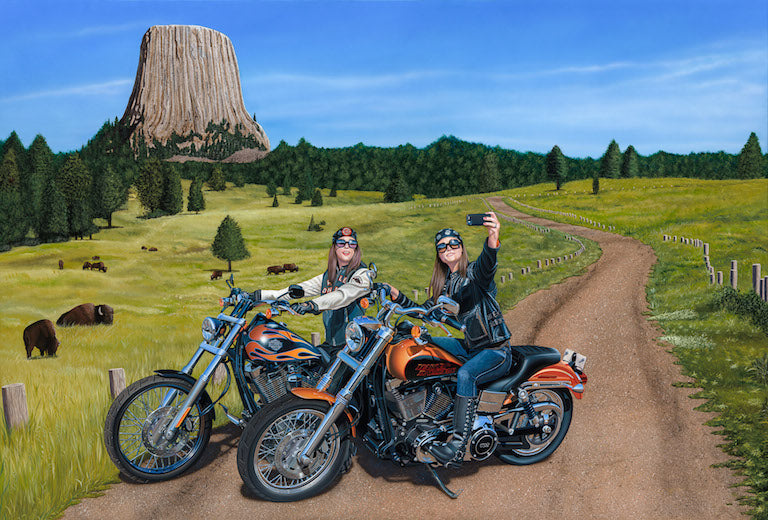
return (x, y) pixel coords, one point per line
(341, 243)
(454, 243)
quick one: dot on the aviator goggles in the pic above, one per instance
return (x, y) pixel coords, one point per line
(341, 243)
(454, 243)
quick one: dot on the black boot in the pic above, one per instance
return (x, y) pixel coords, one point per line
(451, 453)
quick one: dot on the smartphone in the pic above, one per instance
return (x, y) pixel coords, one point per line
(476, 219)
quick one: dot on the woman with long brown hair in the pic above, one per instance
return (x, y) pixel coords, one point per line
(485, 346)
(338, 290)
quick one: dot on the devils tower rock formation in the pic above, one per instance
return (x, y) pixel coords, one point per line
(187, 84)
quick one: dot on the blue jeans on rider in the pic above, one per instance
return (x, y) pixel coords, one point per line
(485, 365)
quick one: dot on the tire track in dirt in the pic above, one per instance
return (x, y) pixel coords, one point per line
(636, 449)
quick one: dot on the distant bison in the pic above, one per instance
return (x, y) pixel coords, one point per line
(143, 248)
(87, 314)
(86, 265)
(275, 269)
(95, 258)
(100, 266)
(290, 267)
(42, 335)
(61, 264)
(216, 275)
(152, 249)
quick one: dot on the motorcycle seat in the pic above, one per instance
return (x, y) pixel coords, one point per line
(526, 361)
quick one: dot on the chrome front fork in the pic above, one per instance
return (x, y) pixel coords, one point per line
(362, 368)
(219, 353)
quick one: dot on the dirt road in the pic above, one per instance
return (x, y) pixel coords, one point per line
(636, 449)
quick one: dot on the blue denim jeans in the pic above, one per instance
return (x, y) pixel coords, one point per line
(485, 365)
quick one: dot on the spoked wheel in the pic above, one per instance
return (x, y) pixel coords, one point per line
(134, 432)
(267, 456)
(555, 408)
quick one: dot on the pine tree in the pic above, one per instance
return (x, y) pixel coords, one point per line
(556, 166)
(749, 164)
(275, 203)
(111, 195)
(629, 167)
(41, 162)
(488, 179)
(397, 191)
(271, 188)
(149, 185)
(595, 184)
(54, 224)
(317, 198)
(238, 179)
(228, 244)
(13, 222)
(217, 182)
(172, 200)
(195, 200)
(74, 181)
(611, 161)
(333, 191)
(9, 171)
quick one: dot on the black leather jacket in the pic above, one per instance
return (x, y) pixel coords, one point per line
(479, 311)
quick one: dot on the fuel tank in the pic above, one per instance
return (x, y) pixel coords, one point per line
(272, 341)
(409, 361)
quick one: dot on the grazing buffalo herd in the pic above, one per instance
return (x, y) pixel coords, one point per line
(42, 334)
(277, 269)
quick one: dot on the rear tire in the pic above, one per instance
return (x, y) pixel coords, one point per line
(558, 405)
(135, 424)
(272, 440)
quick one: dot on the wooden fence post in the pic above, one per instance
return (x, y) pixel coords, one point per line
(756, 278)
(706, 249)
(15, 405)
(503, 278)
(116, 381)
(538, 264)
(219, 375)
(415, 295)
(719, 278)
(734, 274)
(315, 338)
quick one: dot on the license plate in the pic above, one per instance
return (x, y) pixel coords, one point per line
(575, 359)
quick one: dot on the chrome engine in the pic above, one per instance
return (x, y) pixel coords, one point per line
(423, 415)
(273, 383)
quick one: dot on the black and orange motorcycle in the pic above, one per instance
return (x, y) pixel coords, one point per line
(159, 426)
(397, 397)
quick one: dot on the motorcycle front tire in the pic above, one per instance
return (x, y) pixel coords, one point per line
(135, 423)
(268, 450)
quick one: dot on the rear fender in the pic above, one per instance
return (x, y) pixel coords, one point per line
(559, 375)
(311, 394)
(205, 399)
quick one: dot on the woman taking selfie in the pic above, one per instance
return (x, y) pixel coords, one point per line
(338, 289)
(485, 346)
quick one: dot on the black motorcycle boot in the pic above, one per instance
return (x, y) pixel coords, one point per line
(451, 453)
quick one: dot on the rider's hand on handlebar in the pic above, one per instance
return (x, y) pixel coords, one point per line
(392, 292)
(305, 307)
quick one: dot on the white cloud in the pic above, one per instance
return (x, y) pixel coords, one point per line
(106, 88)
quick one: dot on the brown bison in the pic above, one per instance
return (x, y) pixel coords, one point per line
(95, 258)
(87, 314)
(290, 267)
(275, 269)
(216, 275)
(152, 249)
(86, 265)
(61, 264)
(100, 266)
(42, 335)
(143, 248)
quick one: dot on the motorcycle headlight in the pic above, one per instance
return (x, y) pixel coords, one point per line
(354, 336)
(211, 329)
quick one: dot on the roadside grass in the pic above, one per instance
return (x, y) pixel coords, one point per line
(161, 297)
(721, 352)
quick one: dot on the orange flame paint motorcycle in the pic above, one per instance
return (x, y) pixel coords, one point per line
(159, 426)
(398, 399)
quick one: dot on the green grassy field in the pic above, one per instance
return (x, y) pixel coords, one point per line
(161, 297)
(723, 353)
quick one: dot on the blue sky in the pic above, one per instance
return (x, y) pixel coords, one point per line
(668, 75)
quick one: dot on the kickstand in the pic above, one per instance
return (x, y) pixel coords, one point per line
(440, 483)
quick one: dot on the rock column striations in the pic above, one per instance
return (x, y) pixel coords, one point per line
(187, 78)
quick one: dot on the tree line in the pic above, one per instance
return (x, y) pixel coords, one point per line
(50, 197)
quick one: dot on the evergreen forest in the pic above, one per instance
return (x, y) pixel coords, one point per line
(47, 197)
